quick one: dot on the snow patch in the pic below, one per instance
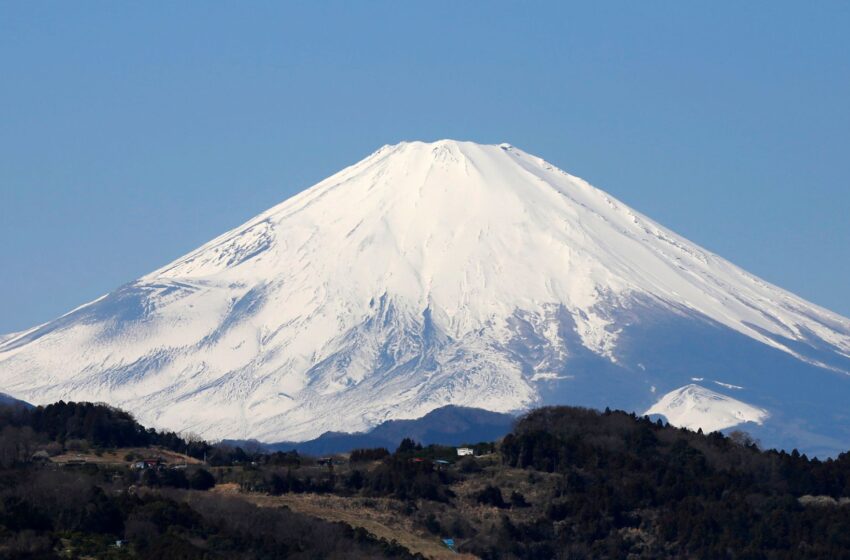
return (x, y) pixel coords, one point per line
(549, 377)
(728, 385)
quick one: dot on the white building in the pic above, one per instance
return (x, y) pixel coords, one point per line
(463, 451)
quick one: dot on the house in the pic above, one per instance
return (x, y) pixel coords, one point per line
(155, 463)
(464, 451)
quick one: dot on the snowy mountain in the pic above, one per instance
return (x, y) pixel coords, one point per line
(695, 407)
(440, 273)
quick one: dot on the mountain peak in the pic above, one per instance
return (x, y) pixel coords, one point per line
(445, 150)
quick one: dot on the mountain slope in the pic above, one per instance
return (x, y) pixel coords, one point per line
(434, 274)
(8, 401)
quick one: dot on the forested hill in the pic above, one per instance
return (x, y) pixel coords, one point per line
(98, 425)
(83, 480)
(573, 440)
(627, 485)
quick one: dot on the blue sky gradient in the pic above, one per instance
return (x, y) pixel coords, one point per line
(130, 133)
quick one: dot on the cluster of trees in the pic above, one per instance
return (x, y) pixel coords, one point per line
(410, 473)
(492, 496)
(403, 477)
(367, 455)
(397, 476)
(198, 479)
(55, 514)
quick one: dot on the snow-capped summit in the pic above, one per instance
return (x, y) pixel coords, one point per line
(430, 274)
(695, 407)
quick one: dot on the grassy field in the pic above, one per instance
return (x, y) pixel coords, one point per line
(379, 516)
(118, 457)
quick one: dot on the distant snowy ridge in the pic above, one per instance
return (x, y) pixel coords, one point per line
(431, 274)
(5, 337)
(695, 407)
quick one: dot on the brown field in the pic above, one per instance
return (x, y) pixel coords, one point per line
(379, 516)
(116, 456)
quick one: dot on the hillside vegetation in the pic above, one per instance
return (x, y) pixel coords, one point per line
(565, 483)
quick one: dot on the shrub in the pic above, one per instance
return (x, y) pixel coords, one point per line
(201, 479)
(518, 500)
(491, 496)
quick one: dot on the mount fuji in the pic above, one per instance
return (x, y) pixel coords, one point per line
(446, 273)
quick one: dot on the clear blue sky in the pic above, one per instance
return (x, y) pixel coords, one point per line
(131, 133)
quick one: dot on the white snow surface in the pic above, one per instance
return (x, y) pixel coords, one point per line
(387, 290)
(694, 407)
